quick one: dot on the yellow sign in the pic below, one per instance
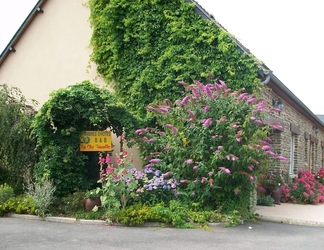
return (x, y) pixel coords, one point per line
(95, 141)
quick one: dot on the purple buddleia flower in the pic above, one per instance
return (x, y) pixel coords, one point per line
(207, 122)
(154, 161)
(185, 100)
(206, 109)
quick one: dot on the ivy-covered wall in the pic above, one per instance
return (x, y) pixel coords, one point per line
(144, 47)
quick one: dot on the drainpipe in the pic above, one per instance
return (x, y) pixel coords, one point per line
(310, 156)
(267, 73)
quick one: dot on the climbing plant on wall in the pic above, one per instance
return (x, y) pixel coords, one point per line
(145, 47)
(60, 122)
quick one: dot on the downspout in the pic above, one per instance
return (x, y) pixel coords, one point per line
(310, 155)
(265, 82)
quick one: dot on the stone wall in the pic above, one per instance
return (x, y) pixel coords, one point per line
(299, 141)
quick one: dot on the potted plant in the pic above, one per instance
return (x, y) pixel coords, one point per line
(272, 186)
(92, 199)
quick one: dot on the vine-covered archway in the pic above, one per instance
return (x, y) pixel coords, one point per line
(58, 127)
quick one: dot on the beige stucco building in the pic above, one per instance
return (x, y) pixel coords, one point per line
(51, 51)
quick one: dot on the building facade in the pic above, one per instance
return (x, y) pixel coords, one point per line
(51, 51)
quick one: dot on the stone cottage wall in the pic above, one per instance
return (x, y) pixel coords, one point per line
(308, 145)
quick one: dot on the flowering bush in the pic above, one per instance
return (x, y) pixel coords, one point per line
(125, 184)
(320, 175)
(306, 189)
(213, 141)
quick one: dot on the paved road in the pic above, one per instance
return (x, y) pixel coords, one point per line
(32, 234)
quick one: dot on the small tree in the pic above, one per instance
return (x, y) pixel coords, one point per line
(17, 155)
(213, 142)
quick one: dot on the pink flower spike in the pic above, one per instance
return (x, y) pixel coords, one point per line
(252, 118)
(174, 131)
(154, 161)
(207, 122)
(220, 147)
(259, 122)
(191, 113)
(210, 173)
(206, 109)
(169, 125)
(167, 148)
(251, 178)
(164, 109)
(270, 153)
(266, 147)
(138, 131)
(150, 108)
(225, 170)
(189, 161)
(236, 191)
(151, 140)
(185, 101)
(234, 158)
(203, 179)
(281, 158)
(195, 167)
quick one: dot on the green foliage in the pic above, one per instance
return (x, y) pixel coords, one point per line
(20, 205)
(177, 214)
(144, 47)
(134, 215)
(101, 214)
(58, 127)
(265, 200)
(17, 145)
(214, 144)
(93, 193)
(6, 192)
(42, 195)
(69, 205)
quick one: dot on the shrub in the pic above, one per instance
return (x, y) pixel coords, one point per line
(20, 205)
(134, 215)
(68, 205)
(265, 200)
(306, 189)
(42, 195)
(6, 192)
(17, 154)
(213, 142)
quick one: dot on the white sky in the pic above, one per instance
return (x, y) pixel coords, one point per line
(286, 35)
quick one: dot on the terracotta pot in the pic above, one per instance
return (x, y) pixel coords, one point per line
(91, 203)
(276, 195)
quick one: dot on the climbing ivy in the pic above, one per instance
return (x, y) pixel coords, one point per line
(58, 126)
(143, 47)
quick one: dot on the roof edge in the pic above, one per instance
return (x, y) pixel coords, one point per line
(14, 40)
